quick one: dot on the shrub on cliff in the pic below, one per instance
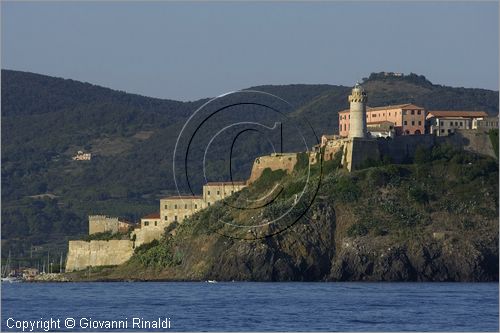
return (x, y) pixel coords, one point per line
(493, 134)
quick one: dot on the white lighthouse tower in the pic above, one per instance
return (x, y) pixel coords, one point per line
(357, 113)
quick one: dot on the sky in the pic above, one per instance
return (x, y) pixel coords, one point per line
(187, 51)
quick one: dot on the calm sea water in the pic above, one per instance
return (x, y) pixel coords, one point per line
(244, 306)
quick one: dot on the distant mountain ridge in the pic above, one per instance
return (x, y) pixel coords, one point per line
(45, 120)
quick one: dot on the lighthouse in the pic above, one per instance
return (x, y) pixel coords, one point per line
(357, 113)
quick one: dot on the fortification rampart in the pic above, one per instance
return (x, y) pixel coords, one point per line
(148, 234)
(274, 162)
(401, 149)
(82, 254)
(103, 223)
(475, 141)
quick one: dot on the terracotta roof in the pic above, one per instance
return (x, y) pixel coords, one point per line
(226, 183)
(389, 107)
(452, 113)
(152, 216)
(183, 197)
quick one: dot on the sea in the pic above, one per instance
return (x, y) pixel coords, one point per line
(249, 306)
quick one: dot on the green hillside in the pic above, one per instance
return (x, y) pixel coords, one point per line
(45, 120)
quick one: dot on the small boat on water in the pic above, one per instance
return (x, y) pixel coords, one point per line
(10, 279)
(7, 276)
(212, 281)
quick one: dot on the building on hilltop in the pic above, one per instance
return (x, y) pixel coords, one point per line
(215, 191)
(81, 156)
(150, 228)
(407, 119)
(443, 123)
(152, 220)
(176, 209)
(179, 208)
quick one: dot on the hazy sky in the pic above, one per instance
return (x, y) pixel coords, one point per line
(191, 50)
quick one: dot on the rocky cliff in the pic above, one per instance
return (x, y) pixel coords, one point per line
(435, 220)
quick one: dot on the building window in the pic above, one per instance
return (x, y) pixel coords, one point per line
(449, 130)
(412, 112)
(404, 112)
(218, 192)
(156, 223)
(195, 206)
(208, 192)
(442, 130)
(441, 123)
(175, 218)
(166, 218)
(405, 123)
(166, 207)
(146, 223)
(461, 123)
(208, 203)
(374, 115)
(419, 123)
(413, 123)
(175, 206)
(185, 206)
(232, 192)
(389, 114)
(418, 111)
(349, 116)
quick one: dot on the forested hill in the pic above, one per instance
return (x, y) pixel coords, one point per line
(45, 120)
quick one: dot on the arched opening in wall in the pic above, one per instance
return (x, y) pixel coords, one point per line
(407, 132)
(417, 132)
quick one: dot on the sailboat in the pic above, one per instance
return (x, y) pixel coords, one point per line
(6, 277)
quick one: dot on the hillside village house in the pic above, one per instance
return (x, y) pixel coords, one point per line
(81, 156)
(406, 119)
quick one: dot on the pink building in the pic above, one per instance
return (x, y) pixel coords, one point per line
(408, 119)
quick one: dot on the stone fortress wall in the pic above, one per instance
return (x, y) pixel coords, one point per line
(82, 254)
(103, 223)
(285, 161)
